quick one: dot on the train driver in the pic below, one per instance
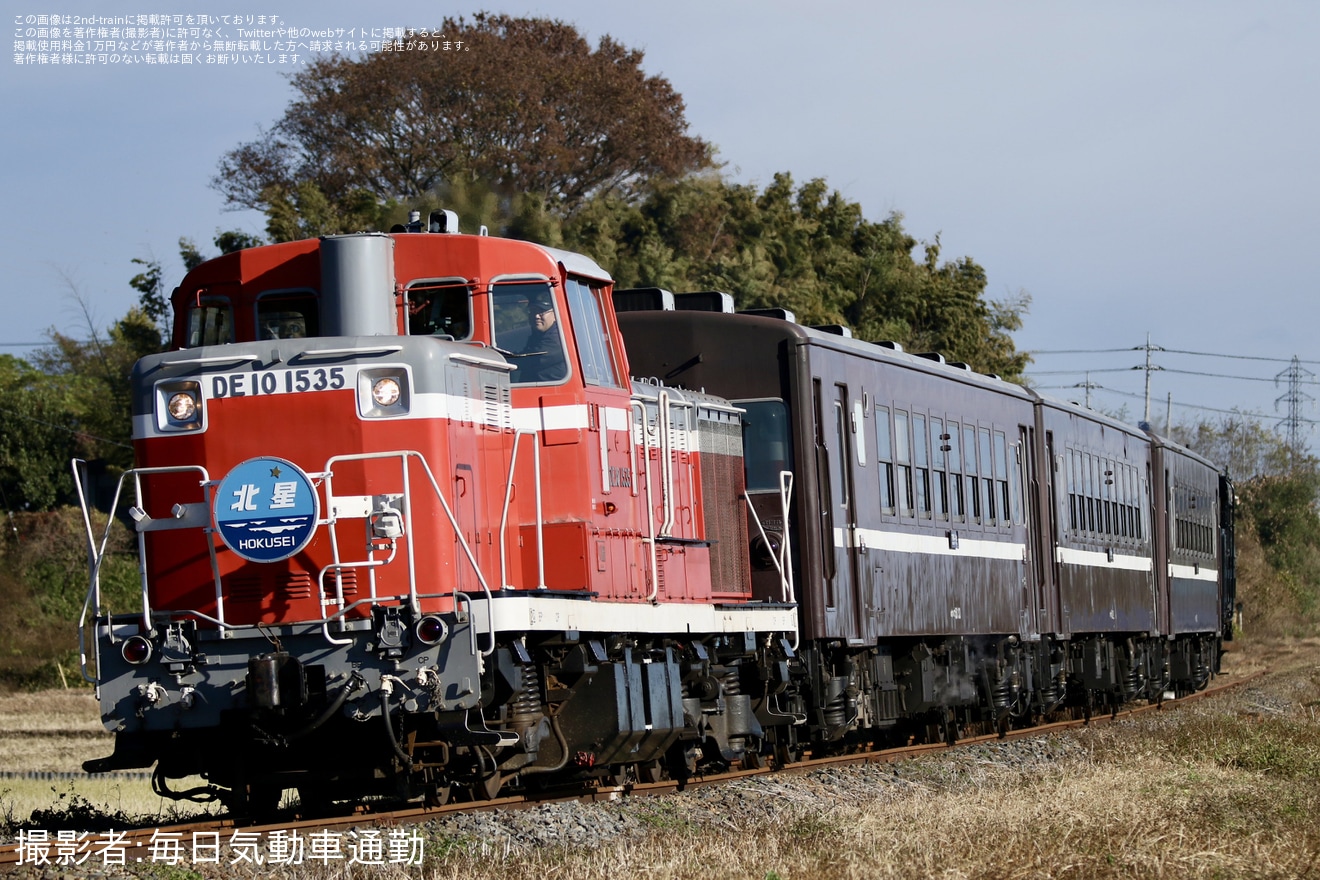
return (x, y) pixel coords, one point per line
(541, 358)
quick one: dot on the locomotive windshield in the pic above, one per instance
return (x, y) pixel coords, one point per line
(767, 448)
(440, 308)
(210, 322)
(287, 315)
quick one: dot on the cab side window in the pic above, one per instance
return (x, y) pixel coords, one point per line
(210, 322)
(594, 351)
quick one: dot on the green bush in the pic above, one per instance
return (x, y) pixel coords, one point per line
(44, 576)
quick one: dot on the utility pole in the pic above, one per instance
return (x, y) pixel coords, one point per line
(1088, 385)
(1149, 368)
(1295, 375)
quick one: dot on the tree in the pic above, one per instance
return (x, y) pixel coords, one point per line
(806, 249)
(1241, 445)
(38, 437)
(522, 104)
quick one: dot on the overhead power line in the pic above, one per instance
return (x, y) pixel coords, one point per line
(1212, 354)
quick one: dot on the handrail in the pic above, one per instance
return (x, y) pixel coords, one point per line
(208, 361)
(785, 502)
(666, 466)
(96, 557)
(314, 354)
(504, 515)
(779, 565)
(650, 509)
(404, 455)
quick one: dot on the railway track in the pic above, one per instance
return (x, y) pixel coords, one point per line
(369, 836)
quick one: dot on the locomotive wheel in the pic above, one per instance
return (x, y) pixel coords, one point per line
(313, 800)
(438, 795)
(488, 788)
(650, 771)
(263, 801)
(788, 752)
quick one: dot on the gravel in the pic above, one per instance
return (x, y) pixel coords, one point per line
(759, 800)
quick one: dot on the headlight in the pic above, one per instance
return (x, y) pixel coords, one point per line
(386, 391)
(182, 407)
(179, 405)
(383, 392)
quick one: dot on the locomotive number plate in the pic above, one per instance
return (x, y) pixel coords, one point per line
(253, 384)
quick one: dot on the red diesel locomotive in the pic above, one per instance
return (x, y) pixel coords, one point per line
(408, 529)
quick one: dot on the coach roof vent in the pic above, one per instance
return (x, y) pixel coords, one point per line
(889, 344)
(704, 301)
(959, 365)
(836, 329)
(643, 299)
(930, 356)
(781, 314)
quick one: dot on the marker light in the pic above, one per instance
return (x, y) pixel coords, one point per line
(431, 630)
(136, 650)
(385, 391)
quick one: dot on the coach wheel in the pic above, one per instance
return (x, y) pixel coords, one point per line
(438, 795)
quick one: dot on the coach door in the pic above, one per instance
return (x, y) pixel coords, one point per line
(839, 427)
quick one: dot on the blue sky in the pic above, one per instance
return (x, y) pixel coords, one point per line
(1136, 167)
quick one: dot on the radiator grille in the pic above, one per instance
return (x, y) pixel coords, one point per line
(722, 482)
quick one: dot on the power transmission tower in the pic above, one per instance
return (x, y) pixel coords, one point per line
(1295, 397)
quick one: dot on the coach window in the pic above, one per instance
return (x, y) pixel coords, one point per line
(920, 451)
(1074, 502)
(1094, 516)
(210, 321)
(527, 328)
(884, 458)
(903, 457)
(1134, 505)
(1001, 474)
(766, 449)
(1102, 490)
(971, 481)
(593, 342)
(938, 447)
(287, 314)
(439, 307)
(840, 481)
(1120, 499)
(958, 502)
(987, 477)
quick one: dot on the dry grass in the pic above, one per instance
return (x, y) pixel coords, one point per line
(1222, 788)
